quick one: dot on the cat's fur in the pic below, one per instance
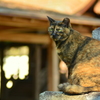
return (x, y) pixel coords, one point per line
(80, 53)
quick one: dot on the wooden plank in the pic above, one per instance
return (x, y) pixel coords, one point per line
(21, 22)
(18, 30)
(97, 7)
(25, 37)
(65, 7)
(87, 5)
(87, 34)
(40, 15)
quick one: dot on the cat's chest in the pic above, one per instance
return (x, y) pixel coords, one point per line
(63, 54)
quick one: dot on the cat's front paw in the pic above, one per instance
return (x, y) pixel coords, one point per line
(72, 89)
(62, 87)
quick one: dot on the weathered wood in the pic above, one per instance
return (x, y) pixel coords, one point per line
(23, 22)
(97, 7)
(16, 30)
(50, 67)
(53, 70)
(87, 34)
(50, 95)
(40, 15)
(25, 37)
(55, 62)
(66, 7)
(37, 71)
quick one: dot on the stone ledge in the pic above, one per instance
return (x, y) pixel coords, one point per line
(51, 95)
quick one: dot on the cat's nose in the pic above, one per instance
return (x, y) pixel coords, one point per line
(53, 34)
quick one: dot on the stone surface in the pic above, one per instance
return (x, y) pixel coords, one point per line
(51, 95)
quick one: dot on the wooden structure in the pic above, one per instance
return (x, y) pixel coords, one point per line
(66, 6)
(27, 26)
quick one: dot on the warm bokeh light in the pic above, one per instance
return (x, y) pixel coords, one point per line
(15, 77)
(16, 63)
(9, 84)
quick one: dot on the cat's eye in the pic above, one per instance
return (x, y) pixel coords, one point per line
(50, 29)
(60, 30)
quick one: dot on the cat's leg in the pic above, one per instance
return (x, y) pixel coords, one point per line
(77, 89)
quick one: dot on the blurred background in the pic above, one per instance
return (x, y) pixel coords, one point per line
(29, 64)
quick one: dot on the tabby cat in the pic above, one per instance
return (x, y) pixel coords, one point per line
(80, 53)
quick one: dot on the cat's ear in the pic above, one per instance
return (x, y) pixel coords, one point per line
(66, 22)
(50, 20)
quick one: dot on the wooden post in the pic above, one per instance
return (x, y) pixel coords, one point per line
(53, 73)
(50, 70)
(37, 71)
(55, 68)
(34, 70)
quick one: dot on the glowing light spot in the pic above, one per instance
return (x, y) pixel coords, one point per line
(16, 62)
(15, 77)
(9, 84)
(21, 77)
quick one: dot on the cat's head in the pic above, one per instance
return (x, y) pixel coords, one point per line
(59, 30)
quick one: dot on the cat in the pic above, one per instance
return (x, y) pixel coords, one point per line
(80, 53)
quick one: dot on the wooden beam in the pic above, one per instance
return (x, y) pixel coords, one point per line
(87, 34)
(97, 7)
(25, 37)
(67, 6)
(23, 22)
(42, 16)
(18, 29)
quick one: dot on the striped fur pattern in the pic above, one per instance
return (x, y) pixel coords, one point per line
(80, 53)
